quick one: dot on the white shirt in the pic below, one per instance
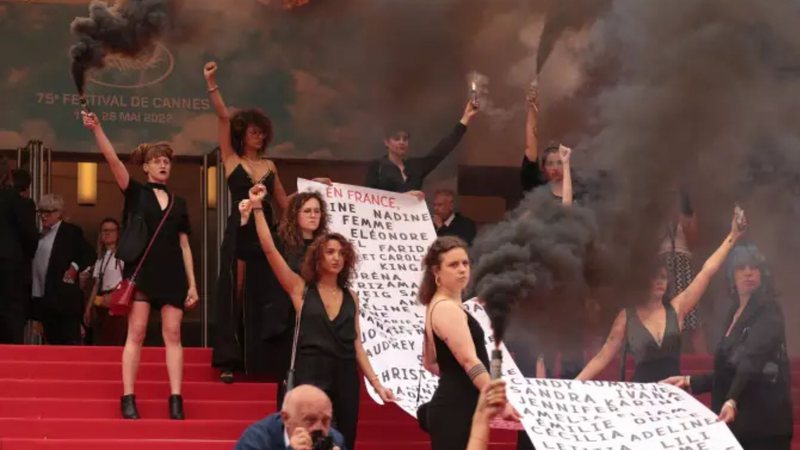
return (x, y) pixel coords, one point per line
(112, 271)
(41, 260)
(286, 437)
(449, 219)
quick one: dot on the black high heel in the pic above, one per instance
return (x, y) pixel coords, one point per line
(176, 407)
(128, 407)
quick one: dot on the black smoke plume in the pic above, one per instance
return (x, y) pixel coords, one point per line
(543, 255)
(561, 16)
(701, 95)
(128, 28)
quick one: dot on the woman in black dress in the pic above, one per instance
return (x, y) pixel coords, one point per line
(751, 383)
(454, 346)
(246, 286)
(652, 329)
(305, 220)
(166, 280)
(329, 350)
(397, 172)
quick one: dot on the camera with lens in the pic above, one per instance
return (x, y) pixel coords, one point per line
(321, 442)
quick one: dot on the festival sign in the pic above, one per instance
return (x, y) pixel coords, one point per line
(268, 59)
(392, 233)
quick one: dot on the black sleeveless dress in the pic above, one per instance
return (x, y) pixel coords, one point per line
(653, 362)
(450, 411)
(326, 358)
(241, 338)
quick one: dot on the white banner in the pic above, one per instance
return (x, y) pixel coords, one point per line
(594, 415)
(392, 233)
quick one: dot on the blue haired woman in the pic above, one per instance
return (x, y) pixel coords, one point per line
(751, 382)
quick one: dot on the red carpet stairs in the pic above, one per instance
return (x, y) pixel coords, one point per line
(67, 398)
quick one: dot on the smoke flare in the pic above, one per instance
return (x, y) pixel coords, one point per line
(539, 256)
(128, 28)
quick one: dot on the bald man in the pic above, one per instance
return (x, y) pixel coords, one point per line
(447, 221)
(304, 419)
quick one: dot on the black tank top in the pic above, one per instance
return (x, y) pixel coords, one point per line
(654, 362)
(321, 336)
(455, 386)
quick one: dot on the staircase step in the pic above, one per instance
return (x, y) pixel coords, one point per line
(91, 370)
(72, 353)
(252, 410)
(150, 409)
(116, 444)
(170, 444)
(174, 429)
(112, 389)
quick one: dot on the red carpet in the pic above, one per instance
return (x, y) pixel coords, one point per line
(67, 398)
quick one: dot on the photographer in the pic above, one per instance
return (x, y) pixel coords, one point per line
(304, 423)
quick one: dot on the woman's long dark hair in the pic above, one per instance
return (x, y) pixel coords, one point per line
(289, 231)
(312, 264)
(749, 255)
(433, 259)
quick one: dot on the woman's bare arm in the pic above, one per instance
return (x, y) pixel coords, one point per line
(118, 169)
(607, 352)
(229, 156)
(449, 323)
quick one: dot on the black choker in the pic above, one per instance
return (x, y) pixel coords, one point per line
(163, 187)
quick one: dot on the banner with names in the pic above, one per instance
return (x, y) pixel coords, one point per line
(595, 415)
(392, 233)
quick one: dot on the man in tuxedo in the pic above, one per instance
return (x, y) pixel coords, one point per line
(447, 221)
(305, 417)
(18, 240)
(61, 255)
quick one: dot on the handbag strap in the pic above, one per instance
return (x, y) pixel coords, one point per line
(153, 239)
(297, 329)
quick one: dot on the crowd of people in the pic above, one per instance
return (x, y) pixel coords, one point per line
(286, 312)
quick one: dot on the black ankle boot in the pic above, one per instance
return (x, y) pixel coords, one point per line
(128, 407)
(176, 407)
(226, 376)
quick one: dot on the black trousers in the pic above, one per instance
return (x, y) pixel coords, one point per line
(14, 298)
(59, 328)
(339, 379)
(12, 326)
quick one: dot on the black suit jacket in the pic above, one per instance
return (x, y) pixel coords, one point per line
(267, 434)
(18, 234)
(752, 368)
(69, 246)
(461, 227)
